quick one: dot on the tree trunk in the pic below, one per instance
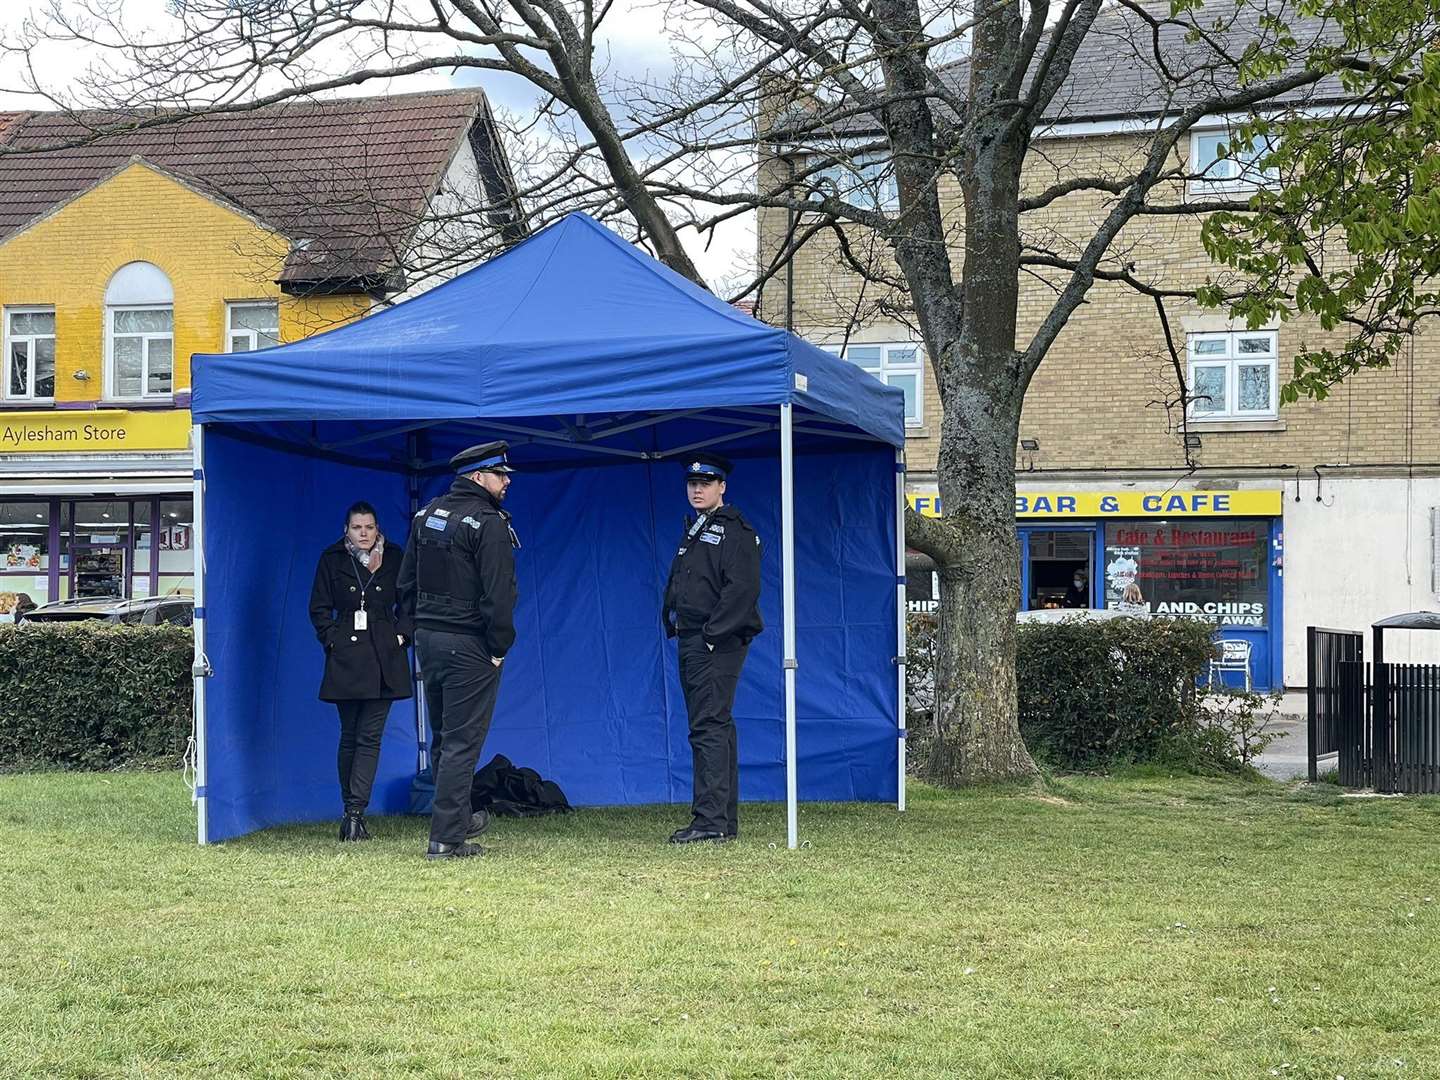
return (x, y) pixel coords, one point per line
(978, 737)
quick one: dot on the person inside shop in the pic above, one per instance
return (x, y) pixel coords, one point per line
(1078, 594)
(354, 609)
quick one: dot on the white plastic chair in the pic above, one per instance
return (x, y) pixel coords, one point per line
(1234, 655)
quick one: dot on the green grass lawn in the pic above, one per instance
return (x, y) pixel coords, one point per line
(1142, 927)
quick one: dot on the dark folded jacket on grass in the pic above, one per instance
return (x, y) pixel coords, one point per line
(507, 791)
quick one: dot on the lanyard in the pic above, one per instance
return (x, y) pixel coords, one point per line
(364, 585)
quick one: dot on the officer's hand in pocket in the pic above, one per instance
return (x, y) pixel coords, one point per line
(400, 640)
(497, 660)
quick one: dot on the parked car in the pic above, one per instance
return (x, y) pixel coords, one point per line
(176, 610)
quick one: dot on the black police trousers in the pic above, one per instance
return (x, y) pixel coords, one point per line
(460, 687)
(709, 680)
(362, 724)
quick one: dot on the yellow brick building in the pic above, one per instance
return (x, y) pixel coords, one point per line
(119, 264)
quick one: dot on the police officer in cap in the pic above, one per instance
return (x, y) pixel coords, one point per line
(711, 603)
(458, 581)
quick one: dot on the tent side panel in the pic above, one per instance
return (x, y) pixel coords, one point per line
(845, 586)
(271, 746)
(582, 697)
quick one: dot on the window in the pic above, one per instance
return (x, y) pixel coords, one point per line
(1215, 571)
(1233, 376)
(1217, 170)
(29, 354)
(141, 352)
(900, 364)
(252, 325)
(865, 181)
(139, 333)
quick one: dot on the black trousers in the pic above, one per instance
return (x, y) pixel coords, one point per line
(709, 680)
(461, 683)
(362, 724)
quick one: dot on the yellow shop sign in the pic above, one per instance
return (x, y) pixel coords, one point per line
(1128, 504)
(91, 431)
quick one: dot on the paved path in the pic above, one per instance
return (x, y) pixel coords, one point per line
(1286, 757)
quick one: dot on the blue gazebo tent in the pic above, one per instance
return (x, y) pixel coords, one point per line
(603, 369)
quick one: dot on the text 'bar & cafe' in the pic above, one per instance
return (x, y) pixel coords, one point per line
(1214, 556)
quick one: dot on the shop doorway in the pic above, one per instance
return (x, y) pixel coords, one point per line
(97, 570)
(1057, 568)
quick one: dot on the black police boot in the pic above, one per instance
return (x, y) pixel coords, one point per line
(453, 851)
(479, 822)
(692, 835)
(353, 828)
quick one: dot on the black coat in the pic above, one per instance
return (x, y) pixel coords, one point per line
(458, 575)
(360, 665)
(714, 585)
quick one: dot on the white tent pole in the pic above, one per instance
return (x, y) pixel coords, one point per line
(412, 490)
(787, 588)
(200, 668)
(900, 625)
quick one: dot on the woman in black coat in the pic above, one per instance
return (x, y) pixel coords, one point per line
(353, 607)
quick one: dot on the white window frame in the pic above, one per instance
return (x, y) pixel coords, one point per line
(829, 179)
(111, 390)
(7, 339)
(890, 367)
(1240, 176)
(232, 331)
(1229, 359)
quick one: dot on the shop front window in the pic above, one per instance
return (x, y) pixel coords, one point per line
(142, 534)
(1215, 570)
(173, 534)
(100, 549)
(25, 549)
(1058, 562)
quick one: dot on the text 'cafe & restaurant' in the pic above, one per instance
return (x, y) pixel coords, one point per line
(1213, 556)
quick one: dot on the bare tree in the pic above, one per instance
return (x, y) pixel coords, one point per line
(949, 103)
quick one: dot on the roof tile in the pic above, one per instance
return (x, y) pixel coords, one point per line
(352, 175)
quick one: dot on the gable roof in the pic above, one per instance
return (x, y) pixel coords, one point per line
(346, 180)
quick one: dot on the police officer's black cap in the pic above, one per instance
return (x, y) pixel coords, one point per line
(707, 467)
(489, 457)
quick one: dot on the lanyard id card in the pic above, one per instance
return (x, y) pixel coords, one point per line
(362, 619)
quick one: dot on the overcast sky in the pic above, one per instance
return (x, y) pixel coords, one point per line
(634, 49)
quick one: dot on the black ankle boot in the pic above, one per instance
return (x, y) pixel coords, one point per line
(353, 828)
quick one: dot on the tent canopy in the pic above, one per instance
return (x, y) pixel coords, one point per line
(571, 321)
(603, 369)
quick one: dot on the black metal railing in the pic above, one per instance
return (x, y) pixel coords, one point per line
(1382, 721)
(1355, 753)
(1406, 724)
(1327, 651)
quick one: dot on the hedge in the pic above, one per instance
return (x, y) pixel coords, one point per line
(1094, 694)
(1097, 694)
(90, 695)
